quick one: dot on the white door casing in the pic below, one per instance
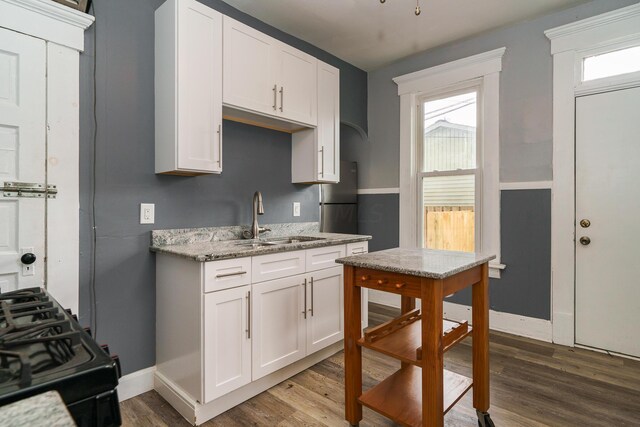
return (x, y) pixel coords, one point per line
(22, 157)
(569, 44)
(608, 195)
(227, 342)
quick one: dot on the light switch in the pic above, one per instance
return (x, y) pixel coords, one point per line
(147, 213)
(296, 208)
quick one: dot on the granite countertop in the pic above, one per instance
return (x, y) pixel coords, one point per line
(217, 243)
(428, 263)
(46, 409)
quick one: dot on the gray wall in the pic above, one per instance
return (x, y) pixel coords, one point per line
(378, 217)
(525, 227)
(525, 97)
(525, 150)
(255, 159)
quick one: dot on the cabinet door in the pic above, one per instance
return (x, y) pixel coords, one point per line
(328, 143)
(227, 341)
(278, 324)
(199, 88)
(325, 321)
(249, 63)
(297, 85)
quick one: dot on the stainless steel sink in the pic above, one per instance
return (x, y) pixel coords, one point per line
(277, 241)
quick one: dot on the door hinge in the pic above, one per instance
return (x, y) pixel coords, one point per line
(29, 189)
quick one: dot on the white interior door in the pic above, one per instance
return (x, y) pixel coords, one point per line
(608, 196)
(22, 157)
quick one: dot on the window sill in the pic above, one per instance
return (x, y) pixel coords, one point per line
(495, 270)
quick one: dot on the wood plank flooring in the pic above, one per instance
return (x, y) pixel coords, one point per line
(532, 384)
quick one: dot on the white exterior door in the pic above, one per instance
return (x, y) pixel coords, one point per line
(325, 321)
(22, 157)
(608, 196)
(278, 324)
(227, 341)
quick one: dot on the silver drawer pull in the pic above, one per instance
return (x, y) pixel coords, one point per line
(237, 273)
(358, 253)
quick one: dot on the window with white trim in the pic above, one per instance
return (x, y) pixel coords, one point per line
(449, 156)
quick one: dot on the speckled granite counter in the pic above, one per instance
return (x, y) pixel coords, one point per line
(46, 409)
(216, 243)
(418, 262)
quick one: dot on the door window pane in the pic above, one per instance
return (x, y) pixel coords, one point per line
(448, 203)
(612, 63)
(450, 133)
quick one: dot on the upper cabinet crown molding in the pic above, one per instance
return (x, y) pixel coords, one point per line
(46, 20)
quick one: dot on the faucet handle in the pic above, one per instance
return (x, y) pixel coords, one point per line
(263, 229)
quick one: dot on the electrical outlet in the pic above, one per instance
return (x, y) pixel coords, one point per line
(296, 208)
(147, 213)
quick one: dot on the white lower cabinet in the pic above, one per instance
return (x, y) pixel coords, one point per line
(325, 319)
(227, 341)
(278, 324)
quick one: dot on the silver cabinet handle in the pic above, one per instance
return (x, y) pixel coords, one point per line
(281, 98)
(321, 161)
(237, 273)
(220, 145)
(248, 330)
(275, 97)
(311, 297)
(359, 253)
(305, 298)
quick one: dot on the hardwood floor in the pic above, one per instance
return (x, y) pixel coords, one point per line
(532, 384)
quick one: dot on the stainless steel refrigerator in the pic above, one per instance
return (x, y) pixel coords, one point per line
(339, 202)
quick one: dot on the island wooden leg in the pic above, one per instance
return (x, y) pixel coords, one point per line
(352, 351)
(406, 305)
(480, 313)
(432, 357)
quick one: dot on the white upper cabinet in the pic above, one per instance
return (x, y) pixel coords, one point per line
(316, 152)
(266, 76)
(248, 68)
(188, 88)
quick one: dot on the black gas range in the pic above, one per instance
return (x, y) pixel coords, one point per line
(42, 348)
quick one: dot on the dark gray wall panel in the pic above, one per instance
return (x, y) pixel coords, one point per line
(378, 216)
(525, 285)
(254, 159)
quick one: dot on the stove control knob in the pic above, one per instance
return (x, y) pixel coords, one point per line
(28, 258)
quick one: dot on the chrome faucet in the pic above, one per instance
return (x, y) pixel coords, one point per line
(258, 209)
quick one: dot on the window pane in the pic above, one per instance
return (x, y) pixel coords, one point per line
(612, 63)
(449, 212)
(450, 133)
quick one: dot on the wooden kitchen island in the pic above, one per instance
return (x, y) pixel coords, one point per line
(421, 391)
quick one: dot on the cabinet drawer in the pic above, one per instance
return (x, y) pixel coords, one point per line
(320, 258)
(225, 274)
(357, 248)
(389, 282)
(275, 266)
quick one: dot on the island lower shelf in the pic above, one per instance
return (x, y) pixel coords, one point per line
(401, 337)
(399, 396)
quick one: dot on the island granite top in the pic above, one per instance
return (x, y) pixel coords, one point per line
(218, 243)
(433, 264)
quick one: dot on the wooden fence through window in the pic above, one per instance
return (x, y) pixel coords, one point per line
(449, 228)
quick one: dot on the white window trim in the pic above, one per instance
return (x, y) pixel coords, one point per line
(486, 67)
(569, 44)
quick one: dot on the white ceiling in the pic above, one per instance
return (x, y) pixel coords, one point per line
(369, 34)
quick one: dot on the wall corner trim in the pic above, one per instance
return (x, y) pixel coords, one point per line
(136, 383)
(527, 185)
(451, 72)
(394, 190)
(46, 20)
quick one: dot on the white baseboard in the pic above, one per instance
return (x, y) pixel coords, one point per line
(136, 383)
(523, 326)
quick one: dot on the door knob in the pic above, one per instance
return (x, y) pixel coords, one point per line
(584, 240)
(28, 258)
(585, 223)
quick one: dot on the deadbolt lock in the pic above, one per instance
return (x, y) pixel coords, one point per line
(585, 223)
